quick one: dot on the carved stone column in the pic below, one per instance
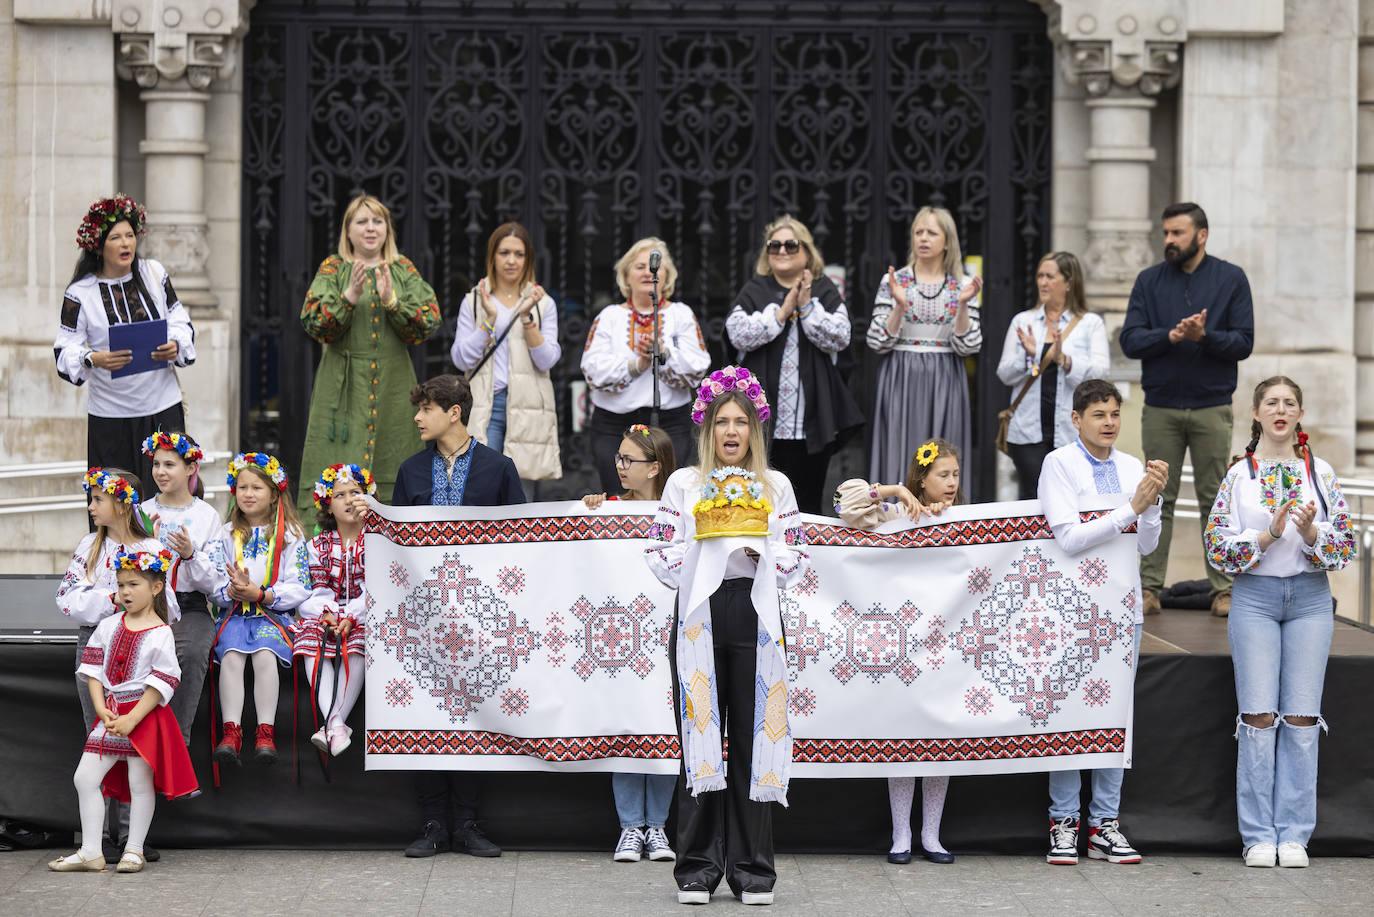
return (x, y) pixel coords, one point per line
(175, 50)
(1123, 53)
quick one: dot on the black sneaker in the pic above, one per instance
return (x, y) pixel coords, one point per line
(471, 838)
(434, 839)
(693, 893)
(1063, 842)
(1106, 842)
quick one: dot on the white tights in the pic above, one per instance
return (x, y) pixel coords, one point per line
(91, 802)
(352, 688)
(265, 685)
(900, 792)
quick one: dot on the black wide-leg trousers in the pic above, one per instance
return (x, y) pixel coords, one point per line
(726, 834)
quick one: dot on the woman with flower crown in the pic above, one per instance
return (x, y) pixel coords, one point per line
(264, 580)
(728, 538)
(112, 285)
(331, 635)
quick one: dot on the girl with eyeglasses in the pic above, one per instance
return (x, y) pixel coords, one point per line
(643, 462)
(788, 325)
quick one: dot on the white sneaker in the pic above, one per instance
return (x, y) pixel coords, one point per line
(1293, 855)
(321, 739)
(1261, 855)
(694, 893)
(657, 846)
(339, 739)
(630, 846)
(756, 897)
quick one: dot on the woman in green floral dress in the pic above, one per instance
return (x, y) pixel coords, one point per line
(367, 305)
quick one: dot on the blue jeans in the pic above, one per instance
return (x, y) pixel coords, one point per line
(1066, 786)
(643, 799)
(496, 427)
(1280, 632)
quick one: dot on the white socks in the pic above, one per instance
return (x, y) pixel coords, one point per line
(265, 686)
(352, 687)
(900, 793)
(89, 773)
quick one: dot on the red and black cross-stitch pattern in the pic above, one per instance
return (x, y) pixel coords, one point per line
(431, 534)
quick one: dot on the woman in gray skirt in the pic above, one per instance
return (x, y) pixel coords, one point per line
(925, 321)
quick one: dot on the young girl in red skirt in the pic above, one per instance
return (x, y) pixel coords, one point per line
(331, 634)
(135, 746)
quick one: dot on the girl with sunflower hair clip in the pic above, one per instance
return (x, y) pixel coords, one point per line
(331, 635)
(265, 577)
(932, 485)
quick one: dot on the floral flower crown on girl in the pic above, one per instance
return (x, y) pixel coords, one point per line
(180, 443)
(729, 379)
(641, 429)
(927, 453)
(268, 464)
(106, 212)
(338, 474)
(146, 561)
(113, 485)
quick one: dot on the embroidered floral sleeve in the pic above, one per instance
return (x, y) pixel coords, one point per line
(748, 331)
(93, 655)
(1335, 544)
(880, 340)
(971, 341)
(669, 538)
(292, 585)
(688, 359)
(326, 314)
(164, 670)
(416, 315)
(605, 360)
(1230, 548)
(787, 535)
(83, 601)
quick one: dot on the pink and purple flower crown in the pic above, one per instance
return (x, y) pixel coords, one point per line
(147, 561)
(113, 485)
(338, 474)
(729, 379)
(106, 212)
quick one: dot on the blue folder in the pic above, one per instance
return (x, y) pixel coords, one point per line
(142, 338)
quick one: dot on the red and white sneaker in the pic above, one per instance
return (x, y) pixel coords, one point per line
(1106, 842)
(1063, 842)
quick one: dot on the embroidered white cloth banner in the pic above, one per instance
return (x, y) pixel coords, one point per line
(535, 638)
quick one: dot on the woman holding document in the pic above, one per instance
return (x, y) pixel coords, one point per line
(124, 331)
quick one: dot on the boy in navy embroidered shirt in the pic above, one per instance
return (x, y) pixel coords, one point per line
(1091, 464)
(452, 470)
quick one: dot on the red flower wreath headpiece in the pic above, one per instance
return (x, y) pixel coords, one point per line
(106, 212)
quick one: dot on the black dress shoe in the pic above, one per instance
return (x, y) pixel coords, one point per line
(900, 857)
(938, 856)
(434, 839)
(471, 838)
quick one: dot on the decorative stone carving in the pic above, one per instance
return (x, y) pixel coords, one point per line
(194, 40)
(1140, 46)
(1116, 256)
(183, 248)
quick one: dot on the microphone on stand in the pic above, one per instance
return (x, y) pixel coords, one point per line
(655, 261)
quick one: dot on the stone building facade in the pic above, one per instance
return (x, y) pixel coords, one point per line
(1261, 110)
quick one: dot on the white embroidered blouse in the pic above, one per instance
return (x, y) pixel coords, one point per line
(610, 350)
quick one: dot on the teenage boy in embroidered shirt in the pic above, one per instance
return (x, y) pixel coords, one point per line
(1091, 464)
(452, 470)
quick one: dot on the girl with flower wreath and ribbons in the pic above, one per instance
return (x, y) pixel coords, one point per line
(265, 577)
(728, 637)
(129, 668)
(925, 322)
(190, 528)
(1279, 525)
(331, 633)
(644, 462)
(110, 286)
(932, 485)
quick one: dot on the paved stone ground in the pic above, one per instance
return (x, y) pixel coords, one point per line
(258, 883)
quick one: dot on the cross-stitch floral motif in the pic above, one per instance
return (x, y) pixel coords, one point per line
(978, 701)
(1097, 692)
(801, 702)
(515, 702)
(398, 574)
(616, 637)
(511, 580)
(1092, 571)
(398, 692)
(979, 578)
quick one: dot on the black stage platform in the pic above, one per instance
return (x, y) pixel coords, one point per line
(1180, 796)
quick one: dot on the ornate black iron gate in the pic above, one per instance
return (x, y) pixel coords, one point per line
(595, 123)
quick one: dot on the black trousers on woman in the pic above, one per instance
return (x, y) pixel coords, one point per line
(1028, 457)
(117, 442)
(605, 431)
(726, 834)
(806, 470)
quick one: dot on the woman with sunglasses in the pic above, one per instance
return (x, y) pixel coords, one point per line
(789, 324)
(643, 462)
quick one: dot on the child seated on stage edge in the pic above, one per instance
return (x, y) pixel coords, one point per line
(643, 462)
(331, 635)
(932, 485)
(130, 670)
(264, 581)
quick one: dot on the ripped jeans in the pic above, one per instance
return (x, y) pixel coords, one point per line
(1280, 633)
